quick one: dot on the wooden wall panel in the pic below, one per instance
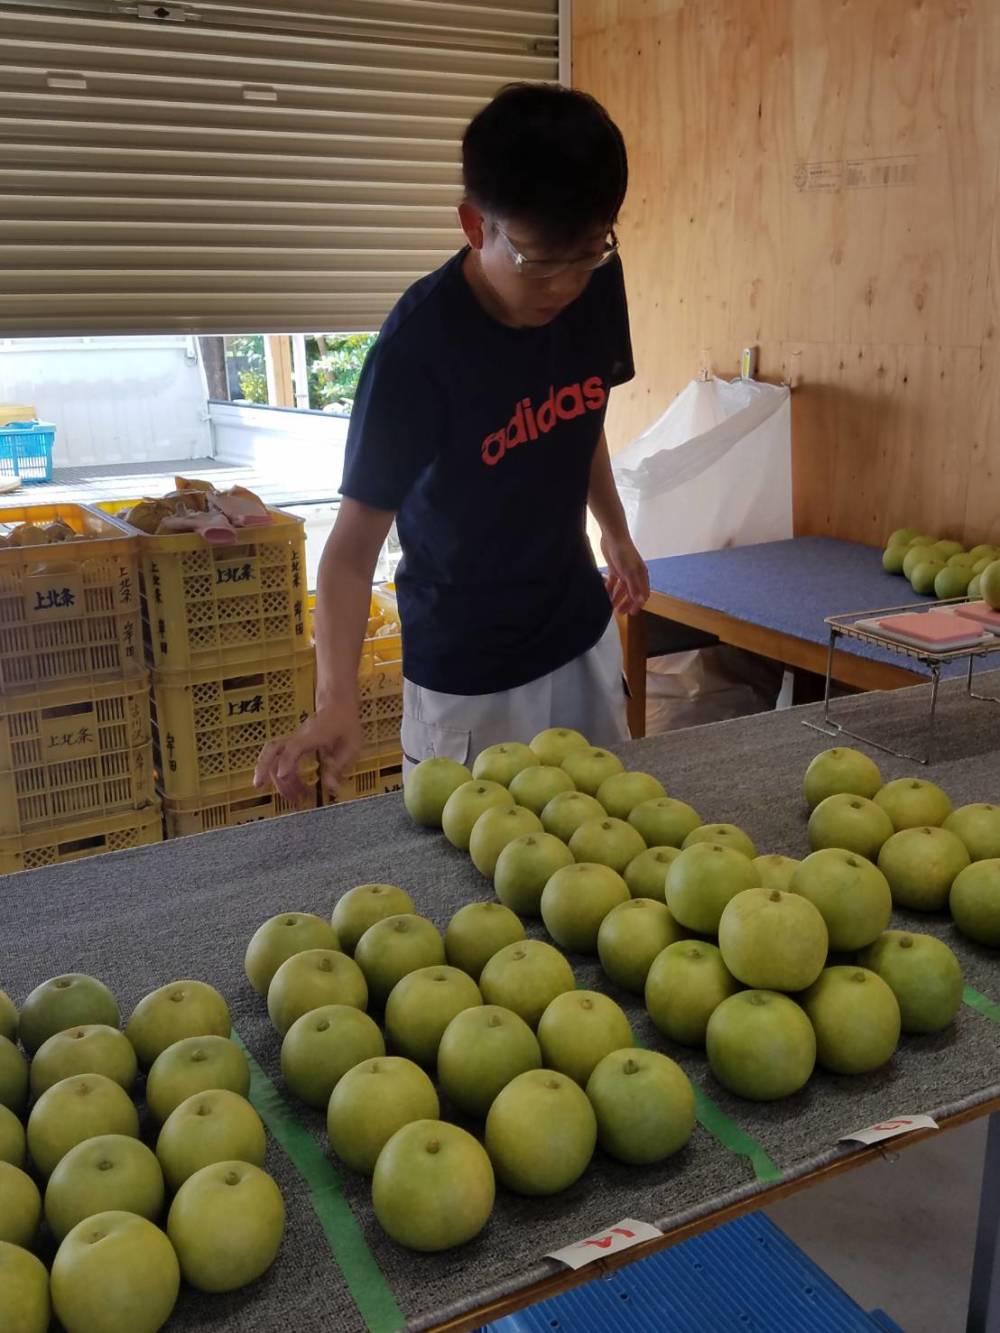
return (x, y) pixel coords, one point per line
(820, 179)
(983, 499)
(881, 432)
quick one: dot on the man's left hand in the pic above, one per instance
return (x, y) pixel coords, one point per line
(627, 579)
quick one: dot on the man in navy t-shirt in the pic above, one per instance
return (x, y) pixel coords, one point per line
(479, 426)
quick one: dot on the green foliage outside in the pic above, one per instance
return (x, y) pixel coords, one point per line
(334, 361)
(333, 374)
(253, 385)
(253, 378)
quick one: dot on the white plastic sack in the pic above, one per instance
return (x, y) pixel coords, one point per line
(701, 685)
(714, 471)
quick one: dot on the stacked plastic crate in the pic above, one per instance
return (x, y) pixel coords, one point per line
(380, 701)
(229, 640)
(76, 768)
(379, 768)
(25, 446)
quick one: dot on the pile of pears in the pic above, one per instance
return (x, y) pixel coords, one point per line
(943, 568)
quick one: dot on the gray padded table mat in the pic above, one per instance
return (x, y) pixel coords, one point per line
(187, 908)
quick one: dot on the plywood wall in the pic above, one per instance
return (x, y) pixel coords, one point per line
(820, 177)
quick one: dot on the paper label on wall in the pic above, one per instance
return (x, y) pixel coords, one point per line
(871, 173)
(857, 173)
(818, 175)
(890, 1129)
(622, 1236)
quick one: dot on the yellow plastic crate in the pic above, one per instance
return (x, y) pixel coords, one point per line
(74, 752)
(229, 809)
(209, 727)
(380, 675)
(380, 669)
(371, 777)
(381, 717)
(68, 610)
(215, 606)
(380, 683)
(87, 837)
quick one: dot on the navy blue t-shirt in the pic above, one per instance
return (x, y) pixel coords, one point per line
(481, 438)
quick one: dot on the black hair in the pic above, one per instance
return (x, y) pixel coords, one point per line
(548, 156)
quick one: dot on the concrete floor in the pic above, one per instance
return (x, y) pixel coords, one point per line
(84, 485)
(899, 1234)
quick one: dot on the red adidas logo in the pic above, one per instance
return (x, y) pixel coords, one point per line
(528, 423)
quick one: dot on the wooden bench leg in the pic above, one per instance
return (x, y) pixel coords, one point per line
(633, 635)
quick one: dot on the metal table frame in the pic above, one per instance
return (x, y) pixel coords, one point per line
(846, 626)
(984, 1294)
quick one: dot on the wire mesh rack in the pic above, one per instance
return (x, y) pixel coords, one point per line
(858, 626)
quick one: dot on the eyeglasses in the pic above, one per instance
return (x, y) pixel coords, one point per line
(552, 268)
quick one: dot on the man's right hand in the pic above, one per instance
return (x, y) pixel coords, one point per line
(334, 732)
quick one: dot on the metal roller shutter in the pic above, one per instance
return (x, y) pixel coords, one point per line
(236, 167)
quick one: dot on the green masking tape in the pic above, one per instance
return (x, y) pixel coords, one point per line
(987, 1007)
(363, 1277)
(729, 1134)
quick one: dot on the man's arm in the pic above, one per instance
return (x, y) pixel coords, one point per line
(343, 597)
(627, 577)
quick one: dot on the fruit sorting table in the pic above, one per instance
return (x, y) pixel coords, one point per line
(772, 599)
(186, 908)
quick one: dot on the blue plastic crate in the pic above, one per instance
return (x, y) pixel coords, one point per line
(744, 1277)
(26, 451)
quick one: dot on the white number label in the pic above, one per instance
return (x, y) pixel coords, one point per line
(890, 1129)
(621, 1236)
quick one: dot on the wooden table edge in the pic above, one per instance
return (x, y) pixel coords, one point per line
(570, 1278)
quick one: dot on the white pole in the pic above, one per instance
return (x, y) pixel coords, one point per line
(272, 382)
(300, 370)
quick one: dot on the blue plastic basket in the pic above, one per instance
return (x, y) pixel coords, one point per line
(26, 450)
(745, 1276)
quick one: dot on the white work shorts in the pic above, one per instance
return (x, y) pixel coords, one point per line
(587, 694)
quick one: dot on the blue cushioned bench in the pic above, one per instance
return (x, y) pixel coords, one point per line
(772, 599)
